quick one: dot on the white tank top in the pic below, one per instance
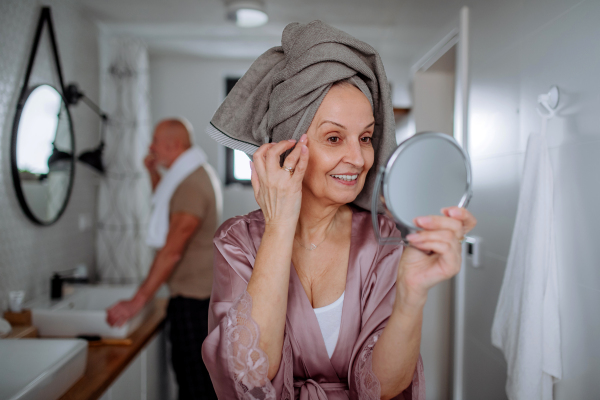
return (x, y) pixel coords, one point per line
(330, 319)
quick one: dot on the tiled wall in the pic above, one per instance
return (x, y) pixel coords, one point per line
(29, 253)
(519, 48)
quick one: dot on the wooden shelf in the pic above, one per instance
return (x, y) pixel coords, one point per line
(400, 113)
(105, 363)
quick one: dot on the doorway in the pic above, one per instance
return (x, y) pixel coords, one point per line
(433, 111)
(440, 88)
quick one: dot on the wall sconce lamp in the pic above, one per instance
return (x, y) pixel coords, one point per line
(57, 156)
(93, 157)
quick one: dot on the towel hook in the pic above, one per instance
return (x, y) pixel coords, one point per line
(548, 102)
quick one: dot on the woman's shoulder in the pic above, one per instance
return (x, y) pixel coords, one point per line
(241, 226)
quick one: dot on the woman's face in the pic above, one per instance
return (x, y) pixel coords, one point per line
(340, 148)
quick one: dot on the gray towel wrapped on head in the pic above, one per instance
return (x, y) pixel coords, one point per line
(278, 96)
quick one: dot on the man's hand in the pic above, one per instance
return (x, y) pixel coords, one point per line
(123, 311)
(150, 162)
(181, 228)
(152, 166)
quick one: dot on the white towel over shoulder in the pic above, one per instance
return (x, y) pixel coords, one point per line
(526, 324)
(186, 163)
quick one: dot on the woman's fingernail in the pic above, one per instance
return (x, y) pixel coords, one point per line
(423, 220)
(303, 138)
(412, 237)
(455, 212)
(304, 149)
(291, 140)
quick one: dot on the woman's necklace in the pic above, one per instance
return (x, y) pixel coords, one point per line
(312, 245)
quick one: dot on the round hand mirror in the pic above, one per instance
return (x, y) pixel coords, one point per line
(426, 173)
(42, 154)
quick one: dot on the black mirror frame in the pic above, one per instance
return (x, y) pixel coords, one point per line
(45, 18)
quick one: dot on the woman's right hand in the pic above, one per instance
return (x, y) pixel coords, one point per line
(277, 192)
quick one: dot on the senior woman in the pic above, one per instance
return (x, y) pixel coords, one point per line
(305, 303)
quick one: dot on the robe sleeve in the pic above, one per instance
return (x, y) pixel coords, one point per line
(238, 367)
(367, 384)
(377, 300)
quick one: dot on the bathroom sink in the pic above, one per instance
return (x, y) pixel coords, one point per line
(40, 368)
(84, 312)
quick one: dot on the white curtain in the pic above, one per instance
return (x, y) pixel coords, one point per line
(124, 194)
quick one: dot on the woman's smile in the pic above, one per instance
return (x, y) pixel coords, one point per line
(346, 179)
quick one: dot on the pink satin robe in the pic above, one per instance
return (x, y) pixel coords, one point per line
(239, 371)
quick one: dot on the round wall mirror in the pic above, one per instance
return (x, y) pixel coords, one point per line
(42, 154)
(426, 173)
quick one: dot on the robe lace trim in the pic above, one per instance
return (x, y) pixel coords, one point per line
(367, 384)
(287, 363)
(248, 363)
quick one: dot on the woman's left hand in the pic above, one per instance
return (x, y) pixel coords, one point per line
(434, 254)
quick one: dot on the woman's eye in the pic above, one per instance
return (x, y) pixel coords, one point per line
(366, 139)
(333, 139)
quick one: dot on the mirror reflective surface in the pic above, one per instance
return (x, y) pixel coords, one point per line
(42, 155)
(426, 173)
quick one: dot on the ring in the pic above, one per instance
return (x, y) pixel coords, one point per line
(462, 239)
(288, 169)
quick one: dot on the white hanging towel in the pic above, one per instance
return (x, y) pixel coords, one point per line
(526, 324)
(182, 167)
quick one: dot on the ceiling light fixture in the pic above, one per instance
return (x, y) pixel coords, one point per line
(247, 13)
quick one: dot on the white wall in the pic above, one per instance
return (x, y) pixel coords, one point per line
(434, 102)
(433, 95)
(29, 253)
(397, 71)
(519, 48)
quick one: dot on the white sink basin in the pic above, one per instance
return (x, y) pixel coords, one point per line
(40, 368)
(84, 313)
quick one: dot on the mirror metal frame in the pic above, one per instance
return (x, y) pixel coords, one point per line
(15, 169)
(26, 90)
(384, 175)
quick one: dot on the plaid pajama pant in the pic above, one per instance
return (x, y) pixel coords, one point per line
(188, 321)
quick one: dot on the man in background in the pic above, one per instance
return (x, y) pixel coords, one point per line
(186, 209)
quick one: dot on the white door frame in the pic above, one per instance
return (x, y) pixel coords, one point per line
(457, 36)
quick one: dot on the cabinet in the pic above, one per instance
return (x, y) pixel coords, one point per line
(147, 377)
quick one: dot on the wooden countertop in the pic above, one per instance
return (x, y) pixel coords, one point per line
(23, 332)
(105, 363)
